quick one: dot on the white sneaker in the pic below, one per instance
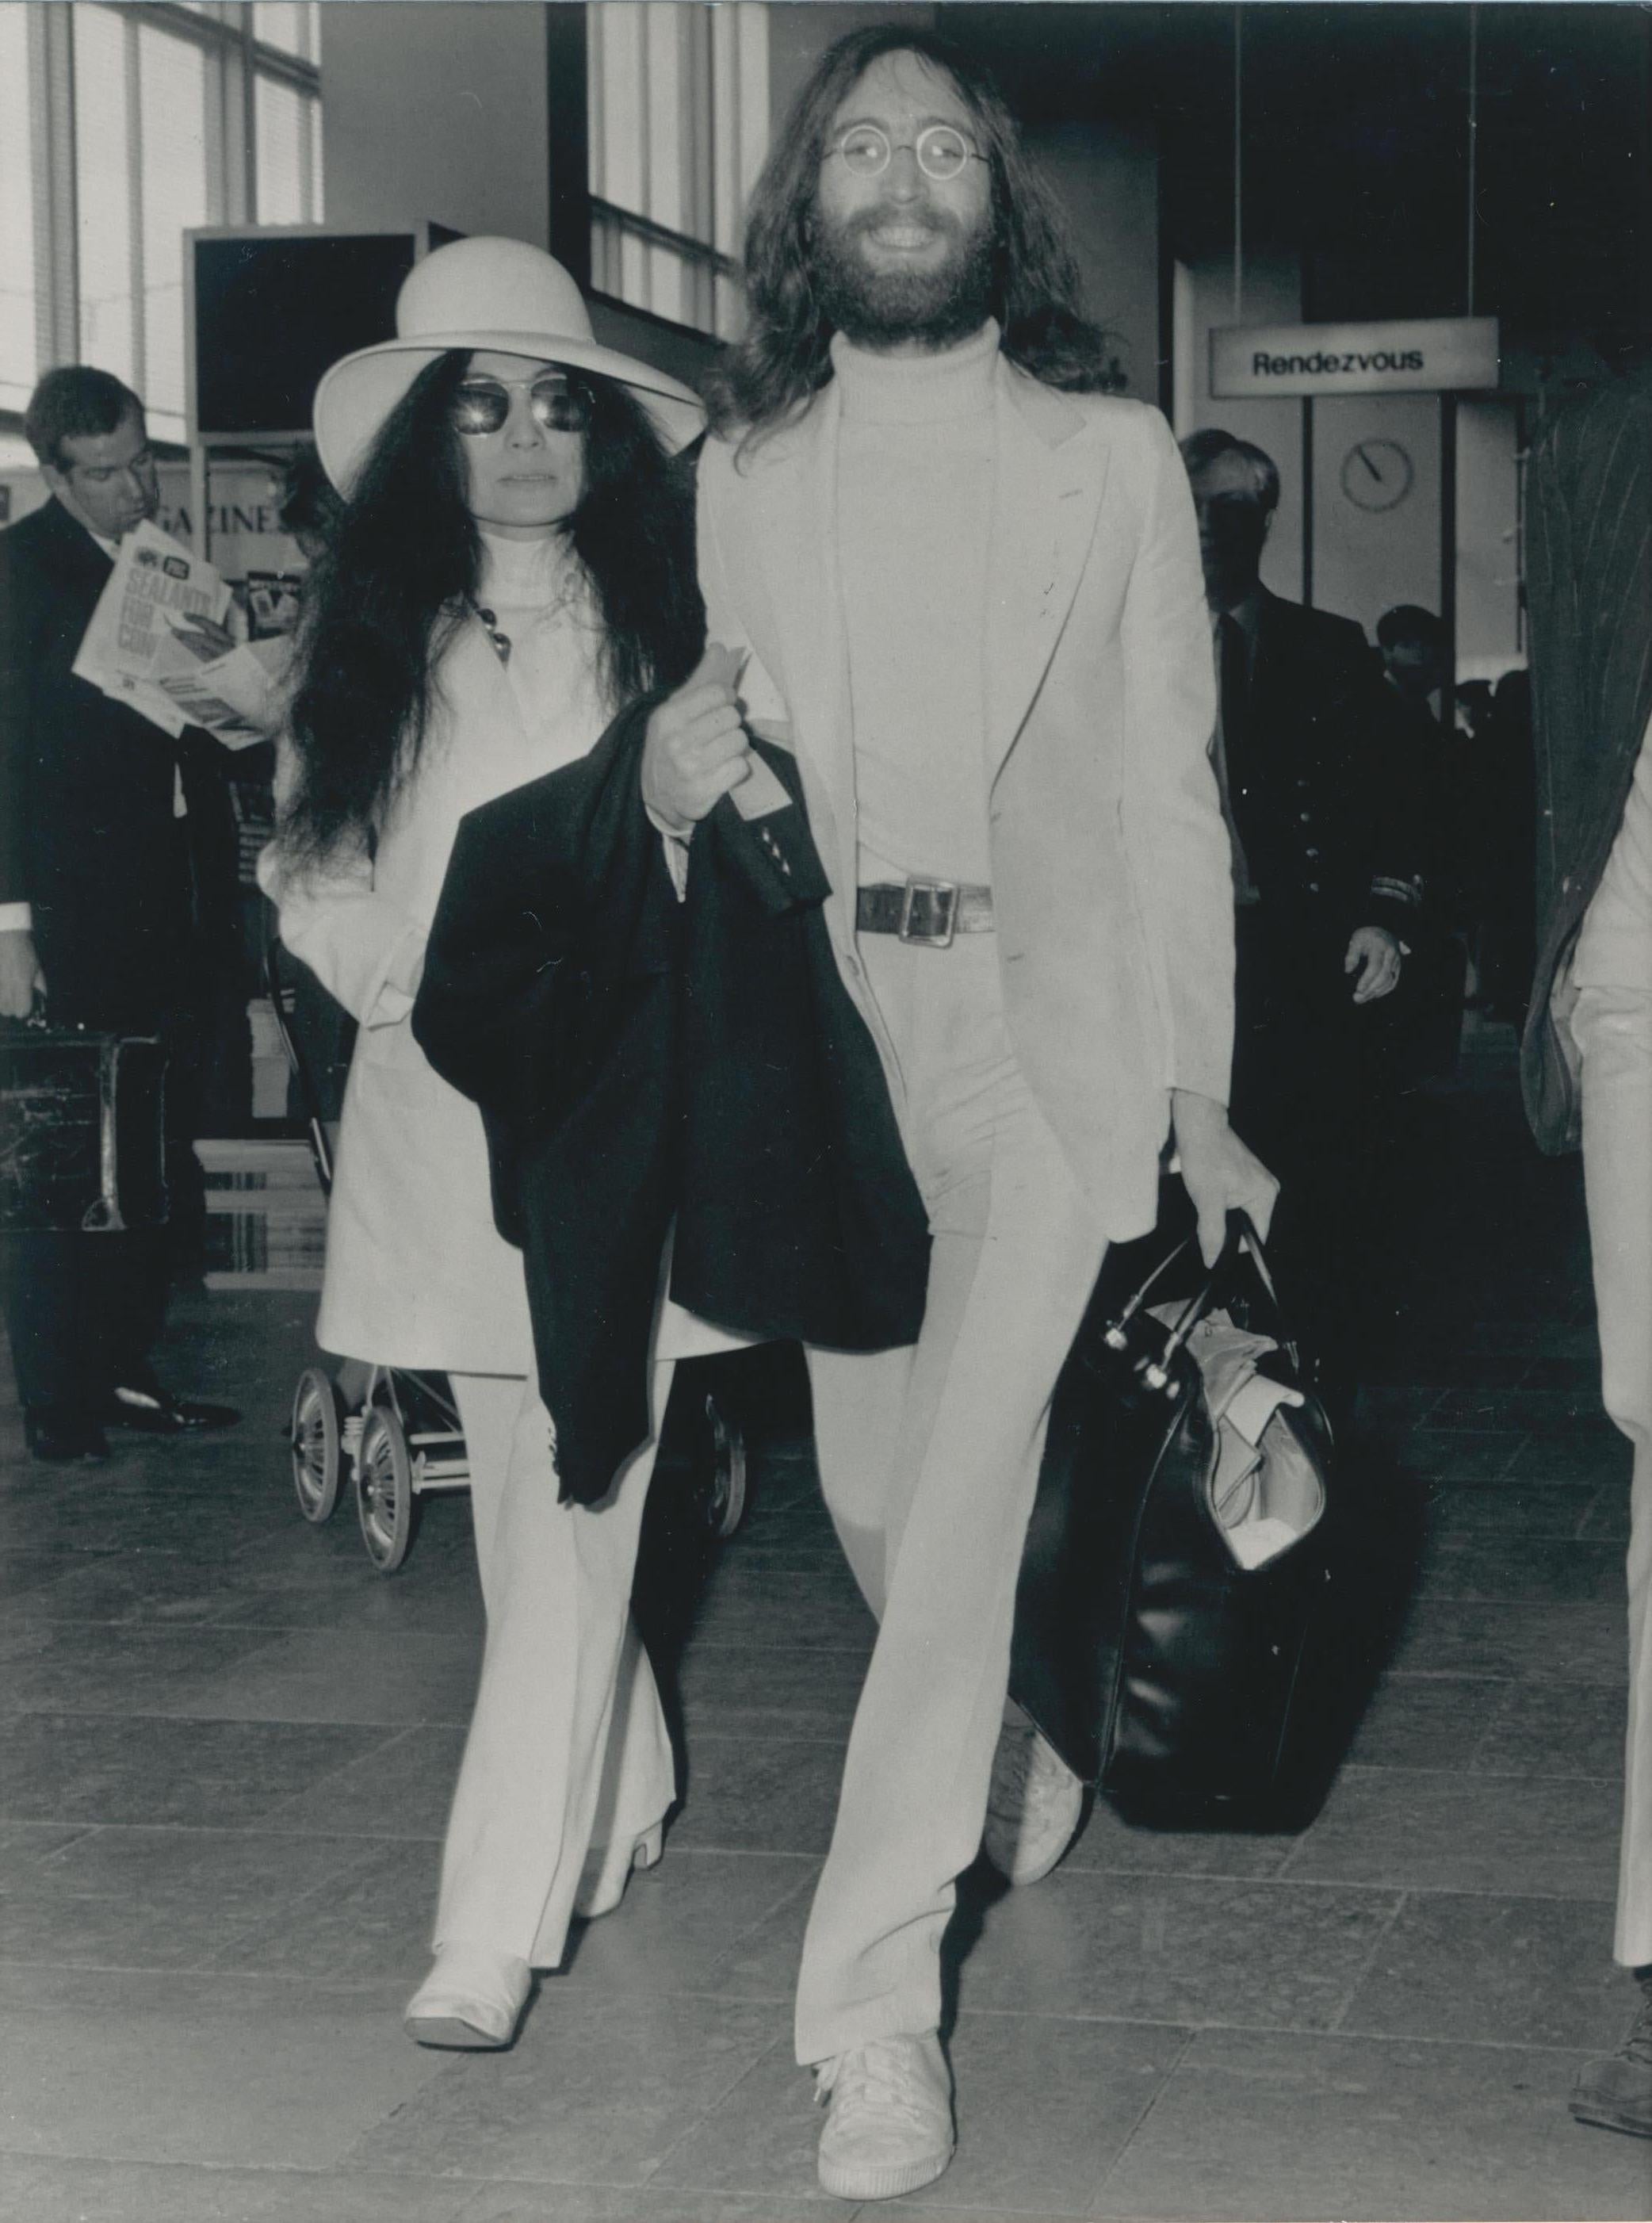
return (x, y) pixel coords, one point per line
(889, 2125)
(1034, 1804)
(603, 1885)
(471, 2001)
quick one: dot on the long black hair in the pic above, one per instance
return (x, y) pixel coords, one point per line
(404, 559)
(783, 355)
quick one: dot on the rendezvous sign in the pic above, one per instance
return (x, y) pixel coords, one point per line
(1423, 354)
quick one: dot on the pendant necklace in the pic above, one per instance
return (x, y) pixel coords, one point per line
(491, 626)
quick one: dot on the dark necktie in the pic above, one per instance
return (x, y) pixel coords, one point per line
(1235, 680)
(1235, 698)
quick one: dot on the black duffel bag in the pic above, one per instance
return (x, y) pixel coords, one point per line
(82, 1130)
(1162, 1669)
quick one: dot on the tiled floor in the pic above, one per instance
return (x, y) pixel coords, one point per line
(226, 1747)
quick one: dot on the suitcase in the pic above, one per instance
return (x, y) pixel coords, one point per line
(1162, 1670)
(82, 1130)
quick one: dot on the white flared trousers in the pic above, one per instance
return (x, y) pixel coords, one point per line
(567, 1762)
(1612, 1024)
(929, 1459)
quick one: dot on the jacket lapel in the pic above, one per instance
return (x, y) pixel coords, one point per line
(79, 561)
(1050, 476)
(1049, 480)
(799, 538)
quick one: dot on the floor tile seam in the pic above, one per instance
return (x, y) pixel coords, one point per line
(1097, 2203)
(1520, 1445)
(1604, 1897)
(1431, 1597)
(700, 1996)
(793, 1647)
(1449, 1539)
(200, 1835)
(1548, 1773)
(742, 1647)
(1497, 1721)
(1397, 1914)
(1432, 1891)
(381, 1992)
(1364, 1768)
(702, 1737)
(1170, 1875)
(690, 2131)
(399, 1732)
(261, 2168)
(722, 1958)
(82, 1831)
(741, 1852)
(1196, 2028)
(22, 1709)
(343, 1871)
(119, 1822)
(1597, 1493)
(194, 1969)
(1335, 1883)
(466, 2188)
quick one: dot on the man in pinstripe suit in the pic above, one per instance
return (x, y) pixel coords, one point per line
(1587, 1055)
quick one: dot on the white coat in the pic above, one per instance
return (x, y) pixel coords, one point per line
(417, 1275)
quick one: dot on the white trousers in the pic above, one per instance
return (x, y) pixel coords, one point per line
(567, 1762)
(928, 1459)
(1612, 1024)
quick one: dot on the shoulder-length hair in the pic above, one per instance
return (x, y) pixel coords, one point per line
(402, 561)
(784, 356)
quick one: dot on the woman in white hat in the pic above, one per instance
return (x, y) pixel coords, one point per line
(513, 562)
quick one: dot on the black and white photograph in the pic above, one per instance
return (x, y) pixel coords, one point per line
(826, 1110)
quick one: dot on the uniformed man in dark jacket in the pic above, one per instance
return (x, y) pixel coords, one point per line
(1327, 882)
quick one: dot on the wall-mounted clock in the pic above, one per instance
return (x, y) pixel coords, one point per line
(1377, 473)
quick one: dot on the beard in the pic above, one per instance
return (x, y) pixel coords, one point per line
(880, 308)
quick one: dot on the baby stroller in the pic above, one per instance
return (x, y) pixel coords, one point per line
(397, 1432)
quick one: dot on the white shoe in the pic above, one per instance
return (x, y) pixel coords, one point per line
(889, 2125)
(603, 1885)
(472, 2000)
(1035, 1804)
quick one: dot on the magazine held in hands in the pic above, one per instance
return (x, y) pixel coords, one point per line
(131, 650)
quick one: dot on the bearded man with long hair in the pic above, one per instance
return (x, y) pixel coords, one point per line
(966, 585)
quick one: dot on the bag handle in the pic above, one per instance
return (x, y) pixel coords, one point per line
(1115, 1336)
(1242, 1241)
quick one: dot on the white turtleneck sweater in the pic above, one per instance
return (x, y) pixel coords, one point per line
(539, 599)
(915, 459)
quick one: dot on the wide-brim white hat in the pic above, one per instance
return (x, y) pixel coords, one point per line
(493, 296)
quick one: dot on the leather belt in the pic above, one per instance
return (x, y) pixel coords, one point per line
(929, 913)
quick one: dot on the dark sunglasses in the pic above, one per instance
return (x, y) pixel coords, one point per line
(481, 405)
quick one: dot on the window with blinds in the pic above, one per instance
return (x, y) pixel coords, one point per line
(678, 115)
(122, 126)
(18, 356)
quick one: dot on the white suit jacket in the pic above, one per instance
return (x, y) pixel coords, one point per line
(1111, 867)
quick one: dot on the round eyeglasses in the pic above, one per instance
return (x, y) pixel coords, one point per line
(942, 151)
(481, 405)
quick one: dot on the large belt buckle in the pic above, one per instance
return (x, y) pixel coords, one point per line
(929, 913)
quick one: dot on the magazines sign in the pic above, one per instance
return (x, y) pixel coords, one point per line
(1424, 355)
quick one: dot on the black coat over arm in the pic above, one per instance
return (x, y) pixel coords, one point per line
(638, 1060)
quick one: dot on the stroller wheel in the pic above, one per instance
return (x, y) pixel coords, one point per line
(725, 1492)
(384, 1491)
(315, 1440)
